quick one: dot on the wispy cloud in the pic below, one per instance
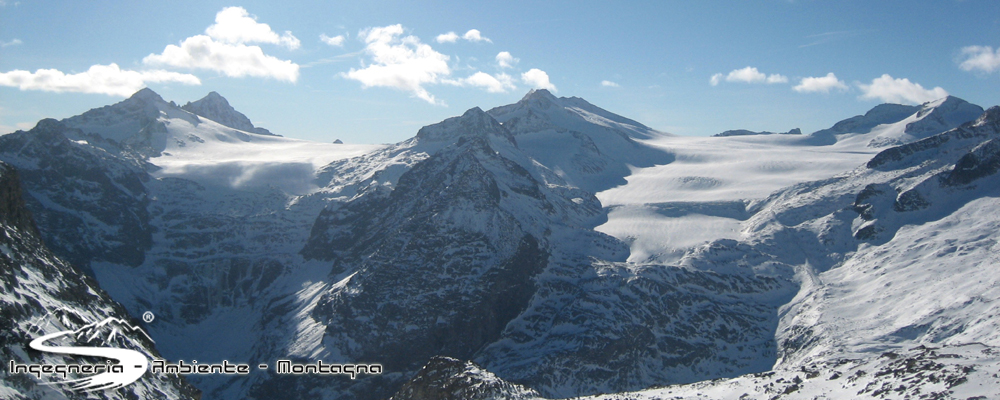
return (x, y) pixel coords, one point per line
(609, 84)
(13, 42)
(331, 60)
(981, 58)
(822, 84)
(225, 49)
(103, 79)
(827, 37)
(892, 90)
(747, 75)
(538, 79)
(402, 63)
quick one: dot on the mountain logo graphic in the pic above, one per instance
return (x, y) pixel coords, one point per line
(130, 365)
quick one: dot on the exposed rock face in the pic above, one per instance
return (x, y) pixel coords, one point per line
(744, 132)
(91, 204)
(445, 378)
(42, 294)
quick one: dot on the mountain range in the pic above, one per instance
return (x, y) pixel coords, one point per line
(543, 249)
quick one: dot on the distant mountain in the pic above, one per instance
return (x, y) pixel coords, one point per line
(587, 146)
(895, 124)
(744, 132)
(217, 108)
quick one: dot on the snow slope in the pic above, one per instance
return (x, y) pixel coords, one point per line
(736, 169)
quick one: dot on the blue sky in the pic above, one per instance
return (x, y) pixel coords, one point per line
(376, 71)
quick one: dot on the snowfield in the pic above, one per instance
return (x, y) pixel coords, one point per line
(542, 249)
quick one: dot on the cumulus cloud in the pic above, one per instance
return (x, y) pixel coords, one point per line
(891, 90)
(103, 79)
(473, 35)
(609, 84)
(402, 63)
(224, 49)
(820, 84)
(747, 75)
(981, 58)
(13, 42)
(505, 60)
(236, 61)
(500, 83)
(235, 25)
(332, 41)
(537, 79)
(450, 37)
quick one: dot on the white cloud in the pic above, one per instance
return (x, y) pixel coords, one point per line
(748, 75)
(981, 58)
(449, 37)
(505, 60)
(402, 63)
(13, 42)
(235, 25)
(609, 84)
(236, 61)
(103, 79)
(892, 90)
(501, 83)
(715, 79)
(225, 49)
(775, 78)
(473, 35)
(820, 84)
(332, 41)
(537, 79)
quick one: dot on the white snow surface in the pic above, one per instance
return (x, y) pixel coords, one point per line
(734, 169)
(213, 154)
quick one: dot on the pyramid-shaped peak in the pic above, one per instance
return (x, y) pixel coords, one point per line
(213, 97)
(146, 94)
(216, 108)
(538, 94)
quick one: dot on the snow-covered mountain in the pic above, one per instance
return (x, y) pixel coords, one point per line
(216, 108)
(744, 132)
(589, 147)
(544, 248)
(895, 265)
(41, 294)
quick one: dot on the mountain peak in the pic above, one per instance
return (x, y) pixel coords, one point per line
(216, 108)
(538, 94)
(474, 122)
(147, 94)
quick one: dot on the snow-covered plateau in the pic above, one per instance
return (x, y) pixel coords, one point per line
(538, 250)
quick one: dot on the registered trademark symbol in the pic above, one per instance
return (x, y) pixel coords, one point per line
(148, 316)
